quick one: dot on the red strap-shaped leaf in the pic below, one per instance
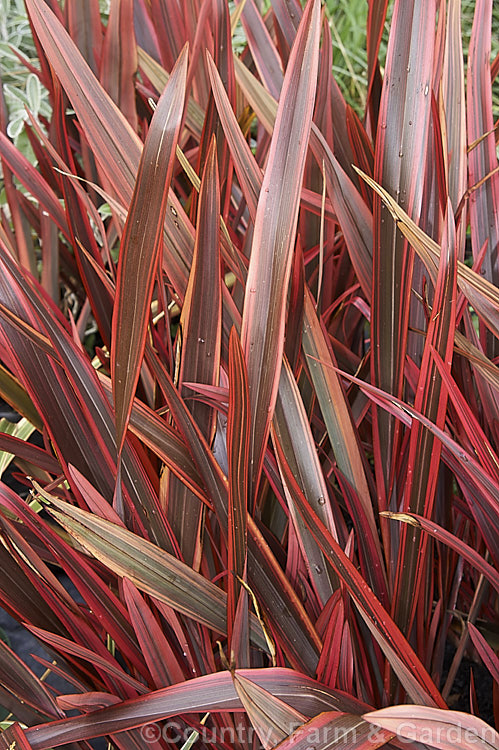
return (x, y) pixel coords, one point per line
(142, 244)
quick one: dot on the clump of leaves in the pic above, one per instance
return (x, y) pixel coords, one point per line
(273, 484)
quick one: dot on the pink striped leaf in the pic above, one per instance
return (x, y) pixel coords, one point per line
(263, 320)
(446, 730)
(213, 692)
(142, 244)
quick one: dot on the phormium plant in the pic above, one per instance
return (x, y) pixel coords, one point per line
(256, 336)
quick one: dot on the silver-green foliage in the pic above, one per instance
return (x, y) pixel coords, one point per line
(21, 88)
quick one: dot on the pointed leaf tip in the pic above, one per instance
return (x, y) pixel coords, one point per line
(142, 244)
(263, 319)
